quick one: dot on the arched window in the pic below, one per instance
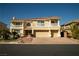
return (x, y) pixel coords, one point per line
(28, 24)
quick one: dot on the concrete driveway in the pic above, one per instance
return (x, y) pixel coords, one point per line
(46, 41)
(55, 41)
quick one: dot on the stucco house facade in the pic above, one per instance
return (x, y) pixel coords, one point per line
(39, 27)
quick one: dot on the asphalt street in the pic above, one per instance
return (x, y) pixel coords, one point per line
(39, 50)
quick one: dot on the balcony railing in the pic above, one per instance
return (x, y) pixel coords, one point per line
(16, 26)
(54, 24)
(51, 25)
(38, 25)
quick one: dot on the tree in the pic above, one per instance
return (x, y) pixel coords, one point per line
(75, 31)
(7, 35)
(15, 35)
(4, 34)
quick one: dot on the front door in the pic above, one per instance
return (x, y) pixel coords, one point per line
(62, 34)
(28, 32)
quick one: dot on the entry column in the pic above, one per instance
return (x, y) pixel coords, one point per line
(49, 33)
(32, 31)
(59, 33)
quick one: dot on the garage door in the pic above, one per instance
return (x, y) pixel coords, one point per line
(54, 33)
(42, 34)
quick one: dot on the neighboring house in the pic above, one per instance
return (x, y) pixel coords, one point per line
(39, 27)
(2, 26)
(66, 28)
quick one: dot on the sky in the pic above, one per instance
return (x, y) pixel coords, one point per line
(65, 11)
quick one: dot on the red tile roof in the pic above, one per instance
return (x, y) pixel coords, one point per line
(52, 17)
(73, 21)
(41, 18)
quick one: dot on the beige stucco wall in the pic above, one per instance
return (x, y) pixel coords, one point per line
(55, 27)
(34, 23)
(40, 28)
(46, 23)
(22, 32)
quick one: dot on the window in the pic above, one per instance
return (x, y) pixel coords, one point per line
(53, 21)
(40, 23)
(18, 23)
(28, 24)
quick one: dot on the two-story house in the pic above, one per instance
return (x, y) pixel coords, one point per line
(39, 27)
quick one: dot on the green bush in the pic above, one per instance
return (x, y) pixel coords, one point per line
(14, 35)
(7, 35)
(4, 34)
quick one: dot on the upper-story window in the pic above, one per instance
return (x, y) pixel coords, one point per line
(28, 24)
(53, 21)
(40, 23)
(18, 23)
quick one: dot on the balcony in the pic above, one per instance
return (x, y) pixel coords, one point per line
(27, 28)
(43, 25)
(54, 24)
(17, 26)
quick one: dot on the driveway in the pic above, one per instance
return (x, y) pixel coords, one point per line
(47, 41)
(55, 41)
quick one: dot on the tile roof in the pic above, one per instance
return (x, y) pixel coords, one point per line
(72, 21)
(54, 17)
(41, 18)
(47, 18)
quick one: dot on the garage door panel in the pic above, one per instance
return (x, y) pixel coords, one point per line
(42, 34)
(54, 33)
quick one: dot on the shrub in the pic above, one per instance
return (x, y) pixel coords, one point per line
(7, 35)
(4, 34)
(14, 35)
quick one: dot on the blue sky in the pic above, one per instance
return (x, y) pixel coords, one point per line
(66, 11)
